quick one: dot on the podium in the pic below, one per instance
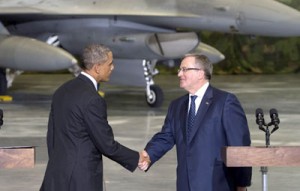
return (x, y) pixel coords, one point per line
(285, 156)
(17, 157)
(261, 156)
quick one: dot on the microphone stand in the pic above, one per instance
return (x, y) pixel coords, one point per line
(264, 169)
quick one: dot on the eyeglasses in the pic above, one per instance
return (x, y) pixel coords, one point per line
(187, 69)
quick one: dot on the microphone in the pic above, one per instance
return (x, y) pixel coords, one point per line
(274, 119)
(260, 118)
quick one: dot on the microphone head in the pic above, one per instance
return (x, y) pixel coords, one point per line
(259, 111)
(274, 116)
(273, 112)
(260, 117)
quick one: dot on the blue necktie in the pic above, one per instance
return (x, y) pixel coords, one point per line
(191, 116)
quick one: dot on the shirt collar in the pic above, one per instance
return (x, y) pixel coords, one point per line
(200, 93)
(91, 78)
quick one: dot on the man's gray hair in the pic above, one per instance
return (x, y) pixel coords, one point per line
(204, 63)
(94, 54)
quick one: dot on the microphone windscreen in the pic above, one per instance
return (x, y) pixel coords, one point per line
(259, 111)
(273, 112)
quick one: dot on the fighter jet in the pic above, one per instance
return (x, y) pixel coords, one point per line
(49, 35)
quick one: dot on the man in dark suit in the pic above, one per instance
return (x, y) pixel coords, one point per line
(78, 131)
(218, 121)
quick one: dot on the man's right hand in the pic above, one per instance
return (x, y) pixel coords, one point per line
(144, 161)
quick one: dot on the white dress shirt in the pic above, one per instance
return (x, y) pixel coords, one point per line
(200, 93)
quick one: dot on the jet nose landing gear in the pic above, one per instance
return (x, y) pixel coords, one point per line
(154, 94)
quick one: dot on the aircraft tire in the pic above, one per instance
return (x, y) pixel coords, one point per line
(3, 81)
(157, 96)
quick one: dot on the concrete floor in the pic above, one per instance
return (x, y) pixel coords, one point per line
(134, 123)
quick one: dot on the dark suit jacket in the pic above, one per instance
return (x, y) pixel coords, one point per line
(220, 121)
(78, 135)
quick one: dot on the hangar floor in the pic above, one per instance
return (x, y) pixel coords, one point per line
(134, 123)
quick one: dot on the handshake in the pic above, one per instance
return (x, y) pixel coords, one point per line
(144, 161)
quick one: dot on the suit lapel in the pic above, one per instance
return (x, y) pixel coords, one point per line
(183, 113)
(205, 104)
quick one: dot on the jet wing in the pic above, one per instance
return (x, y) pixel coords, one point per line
(94, 8)
(253, 17)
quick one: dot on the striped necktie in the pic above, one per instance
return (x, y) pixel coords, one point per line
(191, 116)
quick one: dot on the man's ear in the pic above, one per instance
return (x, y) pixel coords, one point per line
(97, 68)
